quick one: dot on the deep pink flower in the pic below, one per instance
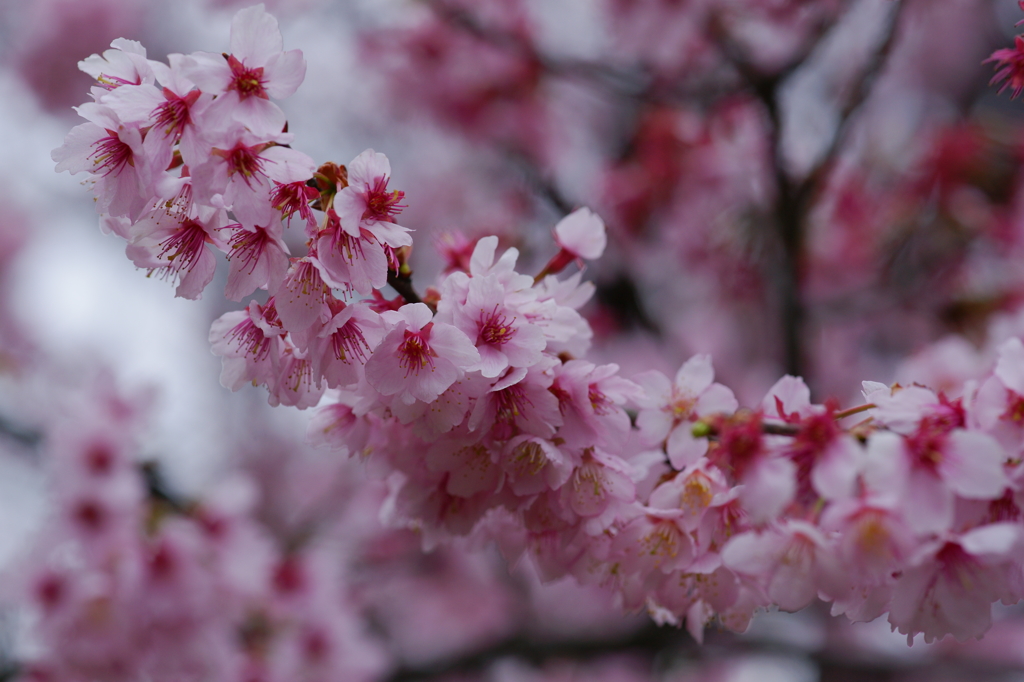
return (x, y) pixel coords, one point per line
(1009, 64)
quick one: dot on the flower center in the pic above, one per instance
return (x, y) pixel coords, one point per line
(382, 205)
(415, 353)
(495, 329)
(183, 246)
(245, 81)
(111, 155)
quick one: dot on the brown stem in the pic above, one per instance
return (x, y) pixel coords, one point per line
(853, 410)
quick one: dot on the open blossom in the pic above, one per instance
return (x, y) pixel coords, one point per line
(367, 203)
(590, 399)
(240, 172)
(503, 336)
(257, 69)
(177, 246)
(112, 151)
(952, 582)
(786, 559)
(418, 358)
(172, 113)
(247, 342)
(349, 261)
(258, 259)
(673, 408)
(124, 64)
(343, 346)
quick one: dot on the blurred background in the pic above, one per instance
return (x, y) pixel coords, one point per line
(825, 188)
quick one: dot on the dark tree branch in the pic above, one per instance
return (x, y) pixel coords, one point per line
(788, 218)
(793, 198)
(403, 285)
(159, 491)
(816, 179)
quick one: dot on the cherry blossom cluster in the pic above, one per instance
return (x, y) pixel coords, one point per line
(478, 407)
(126, 582)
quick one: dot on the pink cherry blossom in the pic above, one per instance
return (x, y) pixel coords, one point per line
(367, 204)
(674, 407)
(257, 69)
(418, 359)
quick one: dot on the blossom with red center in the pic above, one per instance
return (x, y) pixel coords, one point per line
(176, 246)
(247, 342)
(295, 197)
(256, 70)
(246, 81)
(240, 170)
(343, 346)
(519, 402)
(952, 582)
(171, 113)
(503, 337)
(1009, 63)
(302, 298)
(258, 259)
(367, 204)
(590, 399)
(419, 359)
(671, 408)
(296, 382)
(111, 150)
(351, 262)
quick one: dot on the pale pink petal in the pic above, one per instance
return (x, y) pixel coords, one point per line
(255, 36)
(972, 465)
(284, 73)
(794, 395)
(834, 476)
(683, 449)
(716, 399)
(582, 233)
(768, 487)
(927, 503)
(1010, 366)
(695, 375)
